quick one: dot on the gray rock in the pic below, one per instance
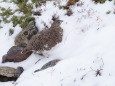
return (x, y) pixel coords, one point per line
(9, 73)
(25, 35)
(49, 64)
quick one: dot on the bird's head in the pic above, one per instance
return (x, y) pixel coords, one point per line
(57, 23)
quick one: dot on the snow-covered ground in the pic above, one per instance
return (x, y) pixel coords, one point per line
(87, 48)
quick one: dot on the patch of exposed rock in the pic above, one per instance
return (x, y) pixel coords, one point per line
(9, 73)
(15, 55)
(49, 64)
(25, 35)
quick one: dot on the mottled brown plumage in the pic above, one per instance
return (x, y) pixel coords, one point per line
(46, 39)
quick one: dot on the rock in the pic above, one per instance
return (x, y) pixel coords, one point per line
(46, 39)
(14, 55)
(69, 12)
(71, 2)
(37, 13)
(9, 73)
(25, 35)
(49, 64)
(11, 31)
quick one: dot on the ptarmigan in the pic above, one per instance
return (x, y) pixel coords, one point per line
(46, 39)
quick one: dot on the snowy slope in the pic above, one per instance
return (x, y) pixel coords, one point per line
(86, 51)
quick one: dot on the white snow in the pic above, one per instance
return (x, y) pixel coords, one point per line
(88, 47)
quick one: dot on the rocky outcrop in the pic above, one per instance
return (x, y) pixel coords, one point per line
(14, 55)
(25, 35)
(49, 64)
(71, 2)
(9, 73)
